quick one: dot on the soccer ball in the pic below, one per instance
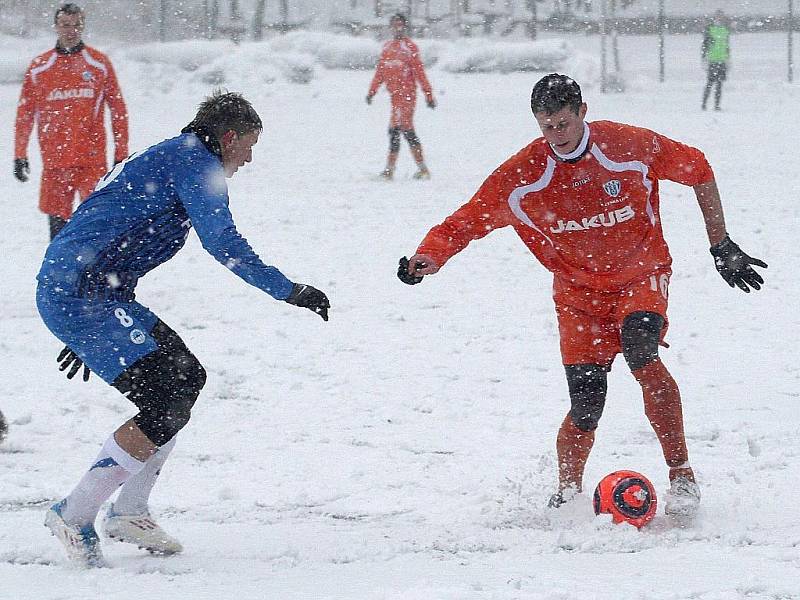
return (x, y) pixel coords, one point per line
(627, 496)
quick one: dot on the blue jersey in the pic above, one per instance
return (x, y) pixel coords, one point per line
(140, 215)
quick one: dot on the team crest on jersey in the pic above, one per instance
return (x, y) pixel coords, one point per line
(612, 187)
(87, 76)
(656, 145)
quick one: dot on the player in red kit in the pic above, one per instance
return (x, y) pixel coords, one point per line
(584, 199)
(400, 68)
(66, 90)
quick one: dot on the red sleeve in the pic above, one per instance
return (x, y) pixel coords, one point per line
(26, 112)
(119, 114)
(675, 161)
(419, 73)
(486, 211)
(377, 80)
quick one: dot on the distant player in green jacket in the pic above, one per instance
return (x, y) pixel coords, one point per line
(716, 52)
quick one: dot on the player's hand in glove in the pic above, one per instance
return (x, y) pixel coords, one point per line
(411, 270)
(369, 98)
(431, 103)
(311, 298)
(70, 360)
(735, 266)
(21, 169)
(405, 275)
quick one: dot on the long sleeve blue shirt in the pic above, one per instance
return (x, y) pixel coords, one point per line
(140, 215)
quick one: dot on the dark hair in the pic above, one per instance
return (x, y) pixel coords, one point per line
(553, 92)
(226, 111)
(68, 9)
(401, 17)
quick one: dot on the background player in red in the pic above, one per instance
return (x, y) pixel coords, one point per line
(66, 90)
(584, 199)
(400, 68)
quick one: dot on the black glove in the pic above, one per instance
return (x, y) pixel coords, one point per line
(369, 99)
(311, 298)
(67, 357)
(431, 103)
(404, 275)
(21, 169)
(734, 265)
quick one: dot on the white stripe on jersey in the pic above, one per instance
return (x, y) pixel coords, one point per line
(99, 103)
(515, 198)
(97, 65)
(94, 63)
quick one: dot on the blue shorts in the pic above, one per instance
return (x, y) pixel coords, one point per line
(108, 335)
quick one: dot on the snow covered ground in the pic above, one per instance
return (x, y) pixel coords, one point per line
(405, 449)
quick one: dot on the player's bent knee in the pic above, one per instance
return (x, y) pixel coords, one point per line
(394, 139)
(640, 335)
(164, 385)
(587, 392)
(411, 138)
(166, 409)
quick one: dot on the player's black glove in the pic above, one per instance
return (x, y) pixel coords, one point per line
(404, 275)
(734, 265)
(21, 169)
(369, 98)
(69, 359)
(431, 103)
(311, 298)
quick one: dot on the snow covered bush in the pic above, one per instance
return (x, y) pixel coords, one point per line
(219, 62)
(189, 55)
(331, 50)
(480, 56)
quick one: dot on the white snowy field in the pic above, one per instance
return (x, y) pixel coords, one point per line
(406, 449)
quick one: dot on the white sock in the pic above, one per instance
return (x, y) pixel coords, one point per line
(110, 470)
(134, 495)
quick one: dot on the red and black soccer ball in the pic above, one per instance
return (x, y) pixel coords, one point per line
(627, 496)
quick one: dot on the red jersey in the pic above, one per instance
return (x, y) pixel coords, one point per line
(592, 221)
(400, 68)
(67, 94)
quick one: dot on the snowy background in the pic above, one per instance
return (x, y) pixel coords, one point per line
(405, 449)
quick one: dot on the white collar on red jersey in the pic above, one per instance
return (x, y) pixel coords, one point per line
(579, 150)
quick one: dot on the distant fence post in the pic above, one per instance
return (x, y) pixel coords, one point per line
(162, 22)
(662, 25)
(789, 42)
(603, 58)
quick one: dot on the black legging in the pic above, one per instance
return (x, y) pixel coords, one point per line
(717, 73)
(56, 225)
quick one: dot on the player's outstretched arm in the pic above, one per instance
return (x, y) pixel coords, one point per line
(735, 267)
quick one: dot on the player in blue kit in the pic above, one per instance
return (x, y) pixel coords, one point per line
(138, 217)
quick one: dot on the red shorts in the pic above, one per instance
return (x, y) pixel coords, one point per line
(589, 321)
(402, 116)
(59, 186)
